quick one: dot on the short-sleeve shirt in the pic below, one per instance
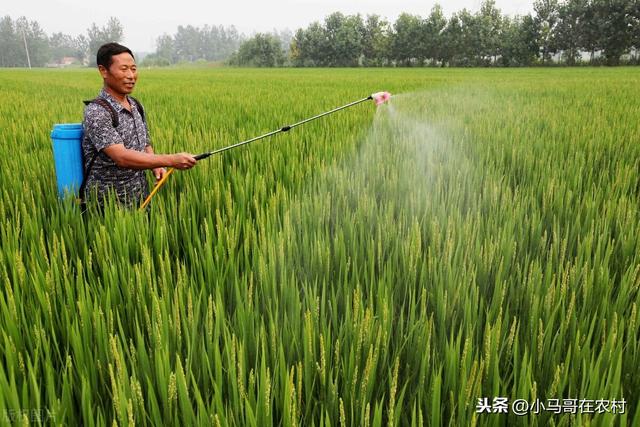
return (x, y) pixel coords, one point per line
(129, 185)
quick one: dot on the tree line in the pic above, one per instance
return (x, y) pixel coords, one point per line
(566, 31)
(190, 44)
(24, 43)
(558, 31)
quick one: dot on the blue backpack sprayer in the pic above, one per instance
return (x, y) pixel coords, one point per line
(67, 150)
(67, 155)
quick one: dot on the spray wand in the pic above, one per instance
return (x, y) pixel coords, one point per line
(378, 98)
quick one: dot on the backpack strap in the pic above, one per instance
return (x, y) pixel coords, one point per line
(104, 104)
(114, 114)
(115, 122)
(139, 108)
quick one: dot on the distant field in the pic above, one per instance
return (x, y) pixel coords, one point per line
(478, 237)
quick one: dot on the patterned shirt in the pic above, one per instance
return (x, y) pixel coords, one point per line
(129, 185)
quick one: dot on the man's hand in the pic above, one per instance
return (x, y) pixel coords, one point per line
(183, 161)
(159, 173)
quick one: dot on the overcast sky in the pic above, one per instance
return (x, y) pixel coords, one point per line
(145, 20)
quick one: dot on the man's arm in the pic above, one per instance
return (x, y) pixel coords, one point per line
(132, 159)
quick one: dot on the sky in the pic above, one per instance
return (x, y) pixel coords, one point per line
(145, 20)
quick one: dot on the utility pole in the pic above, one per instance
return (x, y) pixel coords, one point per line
(26, 49)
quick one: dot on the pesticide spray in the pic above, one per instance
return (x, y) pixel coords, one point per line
(391, 186)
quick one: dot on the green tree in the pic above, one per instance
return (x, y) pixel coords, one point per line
(81, 48)
(518, 41)
(310, 47)
(375, 41)
(332, 25)
(261, 50)
(297, 49)
(635, 27)
(405, 46)
(165, 49)
(61, 45)
(569, 36)
(344, 35)
(216, 43)
(189, 44)
(286, 37)
(9, 44)
(34, 41)
(614, 21)
(528, 36)
(187, 41)
(349, 41)
(230, 40)
(547, 21)
(97, 36)
(451, 51)
(489, 23)
(470, 44)
(434, 29)
(589, 30)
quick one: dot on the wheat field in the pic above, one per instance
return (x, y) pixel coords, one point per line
(477, 237)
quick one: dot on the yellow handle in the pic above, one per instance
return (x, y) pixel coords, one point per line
(156, 188)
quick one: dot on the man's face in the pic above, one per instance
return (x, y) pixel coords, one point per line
(121, 76)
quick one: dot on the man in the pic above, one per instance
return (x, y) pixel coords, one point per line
(116, 145)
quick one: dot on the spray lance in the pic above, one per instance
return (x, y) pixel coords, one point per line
(378, 98)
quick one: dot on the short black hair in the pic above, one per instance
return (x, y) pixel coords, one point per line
(108, 50)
